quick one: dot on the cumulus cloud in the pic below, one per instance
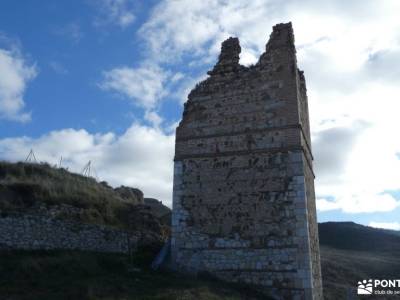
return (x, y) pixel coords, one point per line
(118, 12)
(385, 225)
(358, 166)
(349, 52)
(331, 161)
(15, 74)
(178, 27)
(384, 65)
(143, 85)
(175, 27)
(356, 201)
(140, 157)
(331, 39)
(154, 118)
(146, 86)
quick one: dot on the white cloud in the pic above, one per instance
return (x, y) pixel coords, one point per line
(350, 54)
(184, 86)
(357, 173)
(154, 118)
(325, 204)
(146, 86)
(385, 225)
(15, 73)
(119, 12)
(178, 26)
(357, 201)
(197, 28)
(331, 162)
(143, 85)
(140, 157)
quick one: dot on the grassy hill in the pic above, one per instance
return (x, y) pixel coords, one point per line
(33, 188)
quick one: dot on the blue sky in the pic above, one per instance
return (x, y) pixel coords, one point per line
(70, 53)
(105, 80)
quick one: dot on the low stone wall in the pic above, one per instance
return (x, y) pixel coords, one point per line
(30, 232)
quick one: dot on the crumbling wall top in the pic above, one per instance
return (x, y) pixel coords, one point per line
(228, 60)
(281, 36)
(280, 50)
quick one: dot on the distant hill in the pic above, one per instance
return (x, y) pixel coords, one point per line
(352, 236)
(351, 252)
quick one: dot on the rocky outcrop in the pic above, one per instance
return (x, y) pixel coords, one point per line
(130, 195)
(159, 210)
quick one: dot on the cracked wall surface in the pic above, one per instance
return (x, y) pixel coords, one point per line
(243, 200)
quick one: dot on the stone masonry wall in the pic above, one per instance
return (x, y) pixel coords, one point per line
(33, 232)
(243, 201)
(310, 191)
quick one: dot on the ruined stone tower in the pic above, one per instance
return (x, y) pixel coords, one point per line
(243, 202)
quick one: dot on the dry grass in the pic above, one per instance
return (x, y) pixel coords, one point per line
(24, 186)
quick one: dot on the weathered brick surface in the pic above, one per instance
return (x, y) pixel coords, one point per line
(243, 203)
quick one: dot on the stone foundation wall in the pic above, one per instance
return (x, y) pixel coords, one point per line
(30, 232)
